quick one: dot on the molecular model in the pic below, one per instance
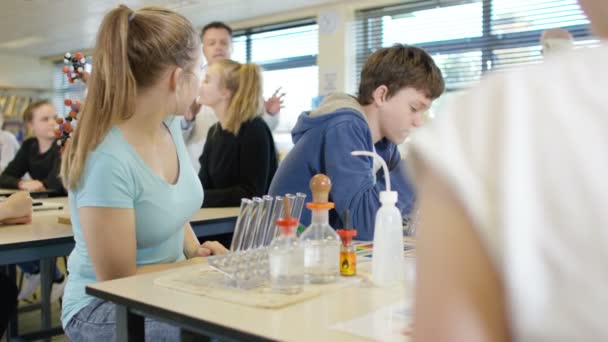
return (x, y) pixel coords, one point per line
(75, 66)
(74, 70)
(65, 128)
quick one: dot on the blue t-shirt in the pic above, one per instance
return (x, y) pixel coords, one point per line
(116, 177)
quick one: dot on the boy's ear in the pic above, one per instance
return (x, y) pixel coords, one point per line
(380, 95)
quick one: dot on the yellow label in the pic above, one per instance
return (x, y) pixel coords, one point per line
(348, 263)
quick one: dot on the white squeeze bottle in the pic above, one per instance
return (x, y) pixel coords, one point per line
(388, 266)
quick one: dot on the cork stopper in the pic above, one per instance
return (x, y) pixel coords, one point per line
(320, 185)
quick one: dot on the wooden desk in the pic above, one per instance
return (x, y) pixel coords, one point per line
(46, 239)
(205, 222)
(7, 192)
(44, 231)
(137, 297)
(41, 194)
(214, 221)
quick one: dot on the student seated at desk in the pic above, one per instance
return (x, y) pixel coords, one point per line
(239, 158)
(398, 84)
(39, 157)
(15, 209)
(131, 185)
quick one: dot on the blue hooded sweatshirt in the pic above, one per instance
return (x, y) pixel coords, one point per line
(324, 139)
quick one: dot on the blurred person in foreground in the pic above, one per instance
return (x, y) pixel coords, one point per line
(512, 192)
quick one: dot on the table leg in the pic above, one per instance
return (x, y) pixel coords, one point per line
(129, 326)
(46, 284)
(13, 325)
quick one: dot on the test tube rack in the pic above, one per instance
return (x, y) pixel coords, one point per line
(246, 266)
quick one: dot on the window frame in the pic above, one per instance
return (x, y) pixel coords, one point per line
(370, 30)
(281, 63)
(301, 61)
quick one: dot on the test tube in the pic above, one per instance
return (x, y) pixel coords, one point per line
(257, 228)
(267, 221)
(241, 221)
(292, 199)
(298, 205)
(251, 224)
(266, 213)
(277, 211)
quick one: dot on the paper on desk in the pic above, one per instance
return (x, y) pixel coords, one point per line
(43, 206)
(386, 324)
(364, 249)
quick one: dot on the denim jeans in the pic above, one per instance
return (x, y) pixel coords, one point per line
(97, 322)
(33, 267)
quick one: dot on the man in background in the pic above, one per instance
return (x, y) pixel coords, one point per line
(217, 46)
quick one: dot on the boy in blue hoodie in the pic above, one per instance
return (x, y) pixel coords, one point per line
(398, 84)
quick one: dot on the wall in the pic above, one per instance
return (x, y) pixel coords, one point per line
(336, 47)
(25, 72)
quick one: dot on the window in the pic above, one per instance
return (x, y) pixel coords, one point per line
(469, 37)
(429, 25)
(239, 49)
(288, 55)
(512, 16)
(63, 89)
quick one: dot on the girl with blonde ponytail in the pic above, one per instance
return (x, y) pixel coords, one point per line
(239, 158)
(132, 190)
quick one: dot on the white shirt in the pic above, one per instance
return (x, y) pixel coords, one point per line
(8, 148)
(526, 153)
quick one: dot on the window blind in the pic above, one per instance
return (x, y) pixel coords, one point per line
(469, 37)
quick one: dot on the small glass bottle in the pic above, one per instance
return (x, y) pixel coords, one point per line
(320, 241)
(286, 259)
(348, 255)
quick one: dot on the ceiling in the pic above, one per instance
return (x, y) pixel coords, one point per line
(50, 27)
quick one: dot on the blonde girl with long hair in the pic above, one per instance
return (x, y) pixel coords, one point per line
(131, 187)
(239, 158)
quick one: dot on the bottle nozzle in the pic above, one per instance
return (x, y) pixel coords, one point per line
(375, 155)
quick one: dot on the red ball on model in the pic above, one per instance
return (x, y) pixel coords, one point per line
(67, 127)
